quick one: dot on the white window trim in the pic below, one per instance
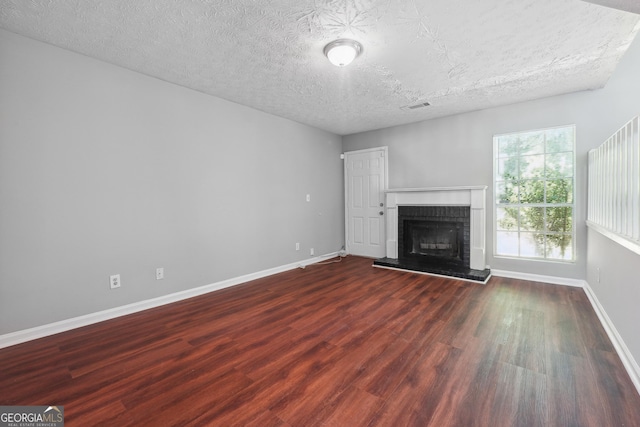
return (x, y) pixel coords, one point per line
(572, 205)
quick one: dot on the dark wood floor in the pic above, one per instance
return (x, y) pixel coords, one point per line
(341, 344)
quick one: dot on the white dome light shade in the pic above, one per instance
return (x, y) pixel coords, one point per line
(342, 55)
(342, 52)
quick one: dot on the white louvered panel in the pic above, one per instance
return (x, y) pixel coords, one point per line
(614, 186)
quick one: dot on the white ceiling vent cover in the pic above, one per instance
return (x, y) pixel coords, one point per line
(415, 106)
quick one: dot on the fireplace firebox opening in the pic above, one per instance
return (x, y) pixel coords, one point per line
(434, 235)
(434, 239)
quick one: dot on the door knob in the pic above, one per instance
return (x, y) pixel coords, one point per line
(381, 213)
(381, 204)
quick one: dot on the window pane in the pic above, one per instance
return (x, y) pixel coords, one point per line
(560, 191)
(559, 165)
(508, 146)
(532, 166)
(507, 169)
(560, 139)
(507, 192)
(560, 220)
(532, 219)
(560, 247)
(532, 245)
(507, 243)
(532, 191)
(507, 219)
(531, 143)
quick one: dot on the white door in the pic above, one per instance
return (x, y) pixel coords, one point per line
(365, 183)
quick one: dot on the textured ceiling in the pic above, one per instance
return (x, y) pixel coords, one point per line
(457, 55)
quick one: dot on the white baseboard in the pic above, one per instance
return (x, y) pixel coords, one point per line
(19, 337)
(625, 355)
(538, 278)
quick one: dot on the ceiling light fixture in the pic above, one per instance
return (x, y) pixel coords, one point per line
(342, 52)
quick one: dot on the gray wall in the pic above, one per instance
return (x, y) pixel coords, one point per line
(458, 150)
(106, 171)
(619, 287)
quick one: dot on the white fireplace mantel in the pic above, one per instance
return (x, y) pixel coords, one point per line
(474, 197)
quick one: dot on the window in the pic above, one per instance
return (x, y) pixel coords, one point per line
(534, 194)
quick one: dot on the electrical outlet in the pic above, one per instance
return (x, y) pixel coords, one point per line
(159, 273)
(114, 281)
(598, 270)
(297, 246)
(308, 197)
(311, 251)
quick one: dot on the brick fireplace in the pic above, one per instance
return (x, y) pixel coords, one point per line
(438, 231)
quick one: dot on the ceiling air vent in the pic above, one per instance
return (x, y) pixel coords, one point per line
(415, 107)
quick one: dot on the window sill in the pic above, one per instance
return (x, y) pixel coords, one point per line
(545, 260)
(632, 245)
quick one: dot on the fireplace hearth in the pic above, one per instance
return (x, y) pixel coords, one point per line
(435, 238)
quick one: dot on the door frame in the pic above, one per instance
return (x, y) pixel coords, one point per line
(385, 152)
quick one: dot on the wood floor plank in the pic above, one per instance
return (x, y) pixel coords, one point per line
(341, 344)
(470, 389)
(563, 388)
(353, 407)
(418, 396)
(520, 399)
(389, 368)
